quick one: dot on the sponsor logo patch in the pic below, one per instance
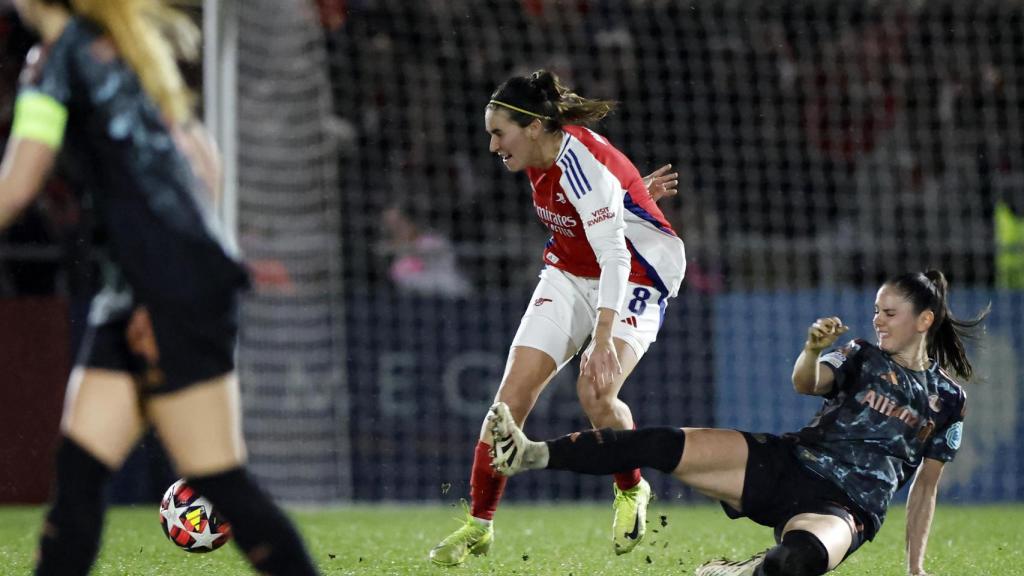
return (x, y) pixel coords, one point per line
(836, 358)
(598, 216)
(954, 435)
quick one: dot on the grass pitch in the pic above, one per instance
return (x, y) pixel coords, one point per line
(558, 540)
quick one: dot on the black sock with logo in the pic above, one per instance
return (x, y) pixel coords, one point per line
(607, 451)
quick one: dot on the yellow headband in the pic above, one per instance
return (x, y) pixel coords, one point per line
(517, 109)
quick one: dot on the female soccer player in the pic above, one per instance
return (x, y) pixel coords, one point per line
(104, 89)
(890, 410)
(613, 261)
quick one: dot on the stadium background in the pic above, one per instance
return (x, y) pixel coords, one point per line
(822, 146)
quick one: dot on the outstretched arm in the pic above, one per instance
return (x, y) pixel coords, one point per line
(920, 510)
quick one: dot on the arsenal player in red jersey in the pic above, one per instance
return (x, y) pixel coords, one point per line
(611, 265)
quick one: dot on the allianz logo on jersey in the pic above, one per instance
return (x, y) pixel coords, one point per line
(889, 407)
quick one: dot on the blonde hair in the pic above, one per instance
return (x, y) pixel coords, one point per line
(150, 35)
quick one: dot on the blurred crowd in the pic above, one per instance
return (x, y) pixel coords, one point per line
(818, 142)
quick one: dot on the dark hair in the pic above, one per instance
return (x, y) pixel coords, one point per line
(542, 96)
(928, 291)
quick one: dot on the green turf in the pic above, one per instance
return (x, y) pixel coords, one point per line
(556, 539)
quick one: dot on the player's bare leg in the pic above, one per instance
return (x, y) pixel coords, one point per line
(215, 446)
(632, 492)
(714, 463)
(607, 410)
(102, 414)
(527, 373)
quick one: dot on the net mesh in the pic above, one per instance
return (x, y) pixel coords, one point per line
(290, 363)
(822, 146)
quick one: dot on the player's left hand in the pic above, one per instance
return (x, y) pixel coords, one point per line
(141, 339)
(600, 365)
(662, 183)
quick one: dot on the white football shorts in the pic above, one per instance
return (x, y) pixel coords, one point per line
(562, 311)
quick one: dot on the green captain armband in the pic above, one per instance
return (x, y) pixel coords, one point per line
(39, 117)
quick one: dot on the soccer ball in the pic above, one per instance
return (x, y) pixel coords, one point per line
(190, 521)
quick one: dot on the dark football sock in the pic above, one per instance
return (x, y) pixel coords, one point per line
(799, 554)
(74, 524)
(607, 451)
(260, 528)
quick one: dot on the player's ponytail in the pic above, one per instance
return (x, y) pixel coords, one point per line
(149, 36)
(542, 96)
(929, 291)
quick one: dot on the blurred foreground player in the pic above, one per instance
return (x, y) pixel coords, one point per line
(104, 88)
(891, 411)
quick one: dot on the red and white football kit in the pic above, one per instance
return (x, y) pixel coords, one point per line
(611, 247)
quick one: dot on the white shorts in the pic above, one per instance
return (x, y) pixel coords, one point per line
(561, 315)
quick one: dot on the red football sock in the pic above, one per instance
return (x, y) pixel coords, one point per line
(485, 485)
(627, 480)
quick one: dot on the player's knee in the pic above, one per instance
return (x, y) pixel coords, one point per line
(596, 407)
(799, 554)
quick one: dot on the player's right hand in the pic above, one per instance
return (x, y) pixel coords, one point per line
(600, 365)
(824, 332)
